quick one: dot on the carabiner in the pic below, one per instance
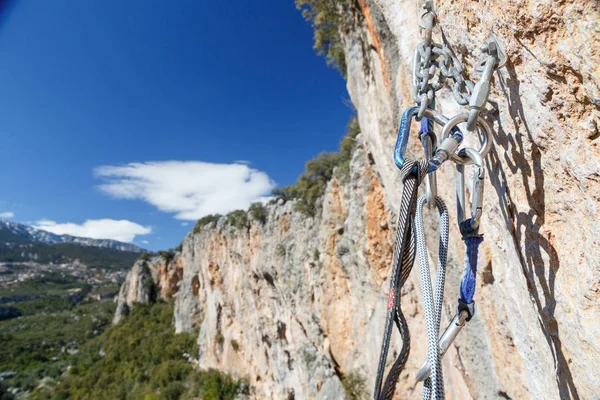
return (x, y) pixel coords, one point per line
(476, 194)
(446, 148)
(487, 138)
(451, 332)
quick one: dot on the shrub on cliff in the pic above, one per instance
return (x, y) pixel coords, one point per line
(167, 256)
(259, 212)
(326, 19)
(347, 146)
(285, 193)
(206, 220)
(355, 386)
(238, 219)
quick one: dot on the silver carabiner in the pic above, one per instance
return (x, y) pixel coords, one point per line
(477, 191)
(451, 332)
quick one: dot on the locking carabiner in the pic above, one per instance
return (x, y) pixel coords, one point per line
(486, 136)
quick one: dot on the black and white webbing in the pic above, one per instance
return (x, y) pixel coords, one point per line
(434, 384)
(404, 257)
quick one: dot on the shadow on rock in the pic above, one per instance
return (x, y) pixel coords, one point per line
(530, 243)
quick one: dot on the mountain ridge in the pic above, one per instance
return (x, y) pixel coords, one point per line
(13, 232)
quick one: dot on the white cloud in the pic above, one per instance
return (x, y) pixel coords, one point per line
(185, 223)
(189, 189)
(121, 230)
(144, 242)
(8, 214)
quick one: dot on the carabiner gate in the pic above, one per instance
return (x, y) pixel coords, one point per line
(469, 226)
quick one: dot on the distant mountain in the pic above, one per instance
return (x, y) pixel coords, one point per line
(14, 233)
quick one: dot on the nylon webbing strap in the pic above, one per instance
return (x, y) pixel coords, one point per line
(404, 257)
(467, 286)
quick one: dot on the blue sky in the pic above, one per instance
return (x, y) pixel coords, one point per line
(155, 112)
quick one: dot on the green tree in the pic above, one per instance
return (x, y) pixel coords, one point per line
(311, 185)
(326, 19)
(141, 358)
(206, 220)
(286, 193)
(238, 219)
(347, 146)
(259, 212)
(167, 256)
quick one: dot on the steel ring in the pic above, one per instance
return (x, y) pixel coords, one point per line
(486, 144)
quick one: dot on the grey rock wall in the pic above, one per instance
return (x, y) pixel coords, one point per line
(536, 333)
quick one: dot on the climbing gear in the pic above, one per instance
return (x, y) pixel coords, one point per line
(476, 196)
(429, 141)
(412, 173)
(448, 145)
(481, 91)
(432, 304)
(458, 322)
(469, 228)
(404, 257)
(432, 58)
(433, 64)
(486, 144)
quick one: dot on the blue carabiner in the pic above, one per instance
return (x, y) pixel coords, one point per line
(426, 127)
(403, 134)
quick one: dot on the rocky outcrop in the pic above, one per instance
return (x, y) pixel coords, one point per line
(289, 303)
(298, 303)
(146, 281)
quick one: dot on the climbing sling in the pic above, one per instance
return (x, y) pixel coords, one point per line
(404, 257)
(432, 60)
(432, 304)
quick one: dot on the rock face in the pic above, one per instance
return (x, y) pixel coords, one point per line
(147, 281)
(536, 335)
(299, 303)
(138, 288)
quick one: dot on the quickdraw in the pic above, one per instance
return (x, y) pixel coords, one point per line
(433, 65)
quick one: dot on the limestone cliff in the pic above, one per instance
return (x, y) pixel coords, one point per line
(298, 303)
